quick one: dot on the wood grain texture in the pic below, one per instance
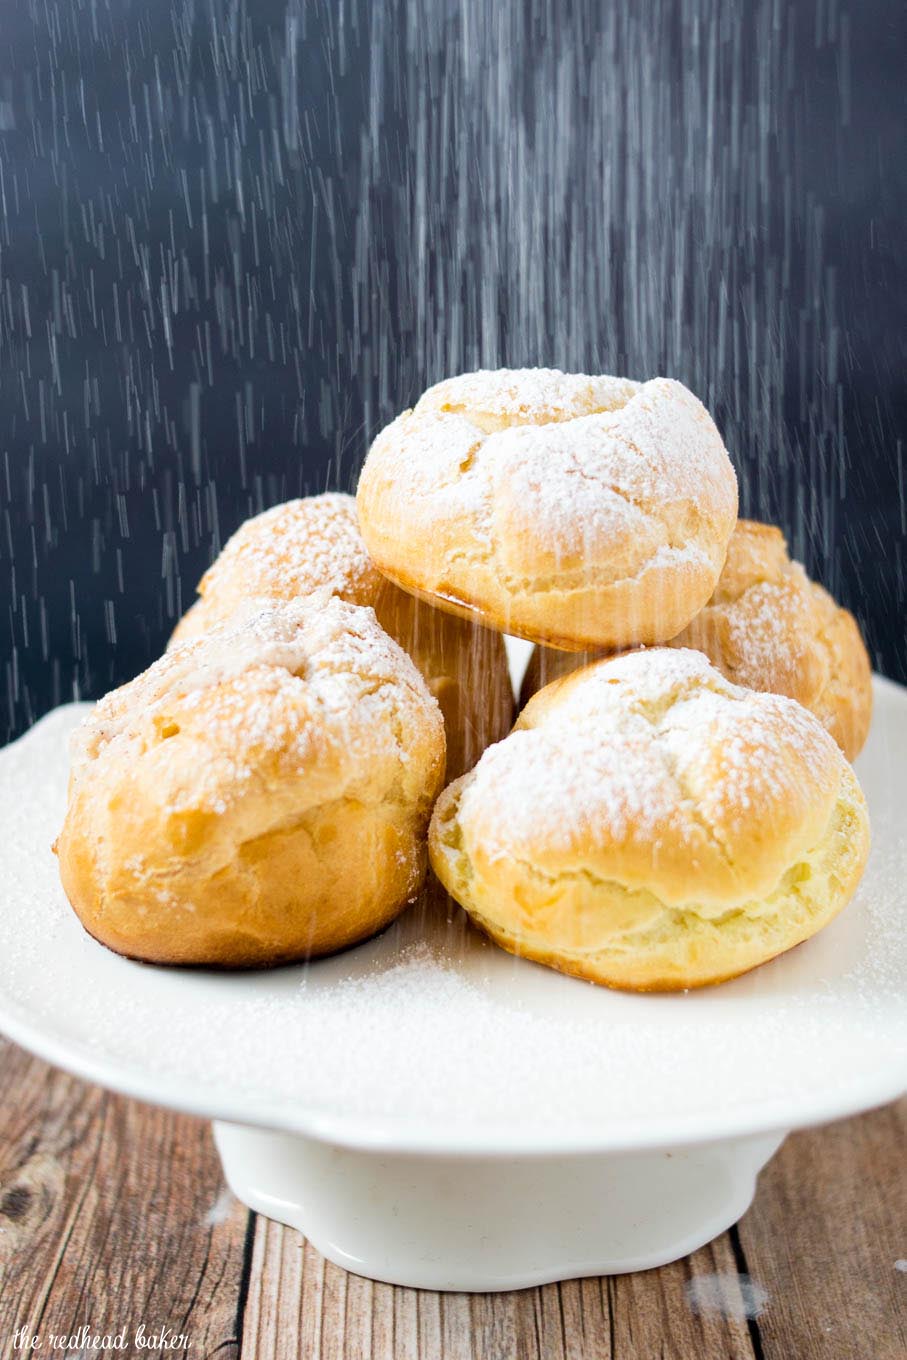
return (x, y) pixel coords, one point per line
(301, 1305)
(823, 1237)
(113, 1213)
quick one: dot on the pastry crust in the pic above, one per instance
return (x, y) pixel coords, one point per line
(768, 627)
(650, 826)
(573, 510)
(256, 796)
(305, 544)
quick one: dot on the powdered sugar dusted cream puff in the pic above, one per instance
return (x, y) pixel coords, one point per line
(768, 627)
(574, 510)
(305, 544)
(651, 826)
(258, 795)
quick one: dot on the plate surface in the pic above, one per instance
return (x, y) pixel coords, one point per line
(428, 1038)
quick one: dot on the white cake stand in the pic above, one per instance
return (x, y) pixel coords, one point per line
(430, 1111)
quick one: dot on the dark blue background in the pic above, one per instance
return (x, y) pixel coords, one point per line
(235, 239)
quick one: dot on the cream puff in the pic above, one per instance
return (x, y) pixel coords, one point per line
(571, 510)
(648, 825)
(260, 794)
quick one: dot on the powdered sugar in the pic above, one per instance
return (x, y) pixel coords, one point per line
(726, 1295)
(527, 396)
(626, 750)
(278, 682)
(548, 791)
(762, 631)
(295, 548)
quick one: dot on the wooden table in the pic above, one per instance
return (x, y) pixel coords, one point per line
(114, 1215)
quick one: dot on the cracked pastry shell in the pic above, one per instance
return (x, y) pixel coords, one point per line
(648, 825)
(567, 509)
(258, 795)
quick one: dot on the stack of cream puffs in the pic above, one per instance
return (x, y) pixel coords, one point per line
(674, 805)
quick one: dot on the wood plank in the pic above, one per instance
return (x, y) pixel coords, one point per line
(823, 1237)
(654, 1312)
(302, 1306)
(112, 1214)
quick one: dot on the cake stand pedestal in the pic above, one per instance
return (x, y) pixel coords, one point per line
(490, 1223)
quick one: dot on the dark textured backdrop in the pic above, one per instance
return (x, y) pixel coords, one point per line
(235, 238)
